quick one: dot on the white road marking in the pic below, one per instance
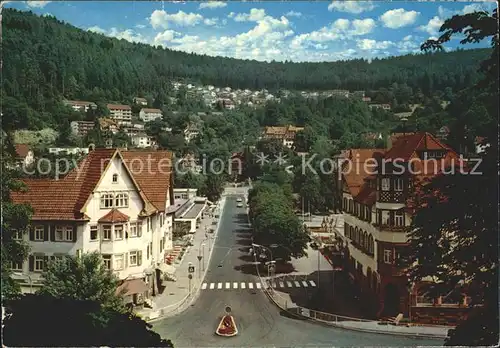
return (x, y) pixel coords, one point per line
(289, 284)
(242, 285)
(204, 286)
(259, 285)
(212, 285)
(305, 284)
(219, 286)
(297, 284)
(235, 285)
(228, 285)
(250, 285)
(312, 283)
(282, 285)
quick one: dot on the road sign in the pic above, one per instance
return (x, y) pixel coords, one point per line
(191, 269)
(199, 257)
(190, 276)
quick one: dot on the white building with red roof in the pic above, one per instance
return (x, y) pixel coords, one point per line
(114, 203)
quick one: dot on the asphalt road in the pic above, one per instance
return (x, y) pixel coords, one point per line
(259, 321)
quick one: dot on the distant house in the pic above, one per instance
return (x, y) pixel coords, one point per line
(481, 145)
(386, 107)
(122, 114)
(81, 128)
(191, 132)
(285, 134)
(148, 115)
(24, 154)
(69, 150)
(140, 101)
(366, 99)
(108, 124)
(143, 140)
(79, 105)
(443, 133)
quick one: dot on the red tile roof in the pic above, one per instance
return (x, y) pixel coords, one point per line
(156, 111)
(358, 165)
(118, 107)
(406, 146)
(22, 150)
(154, 179)
(65, 198)
(113, 216)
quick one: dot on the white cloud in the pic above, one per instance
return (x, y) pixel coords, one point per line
(212, 4)
(407, 38)
(162, 19)
(211, 21)
(293, 14)
(433, 26)
(370, 45)
(254, 15)
(362, 26)
(37, 4)
(399, 18)
(166, 36)
(127, 34)
(97, 29)
(355, 7)
(140, 26)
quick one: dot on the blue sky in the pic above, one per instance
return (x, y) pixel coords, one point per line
(293, 30)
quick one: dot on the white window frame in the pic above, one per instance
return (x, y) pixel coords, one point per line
(398, 184)
(133, 230)
(132, 255)
(107, 200)
(385, 184)
(59, 233)
(116, 229)
(399, 218)
(114, 179)
(39, 232)
(36, 260)
(96, 229)
(106, 228)
(107, 259)
(121, 200)
(387, 256)
(116, 259)
(17, 234)
(14, 269)
(68, 233)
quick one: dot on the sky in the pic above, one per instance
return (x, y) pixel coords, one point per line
(267, 30)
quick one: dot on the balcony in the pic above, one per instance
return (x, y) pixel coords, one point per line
(391, 197)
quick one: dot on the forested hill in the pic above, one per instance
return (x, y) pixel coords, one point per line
(43, 55)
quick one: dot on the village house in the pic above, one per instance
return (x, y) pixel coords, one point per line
(69, 150)
(140, 101)
(142, 140)
(122, 114)
(148, 115)
(107, 124)
(81, 128)
(109, 204)
(24, 155)
(285, 134)
(377, 215)
(385, 107)
(79, 105)
(191, 132)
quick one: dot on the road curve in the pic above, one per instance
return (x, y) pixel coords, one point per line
(260, 322)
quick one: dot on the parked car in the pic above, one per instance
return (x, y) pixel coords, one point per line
(239, 200)
(240, 205)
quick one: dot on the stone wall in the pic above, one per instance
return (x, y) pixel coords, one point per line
(439, 315)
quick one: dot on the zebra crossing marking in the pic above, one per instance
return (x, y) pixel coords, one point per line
(219, 286)
(289, 284)
(212, 285)
(204, 286)
(228, 285)
(250, 285)
(243, 285)
(235, 285)
(259, 285)
(297, 284)
(313, 284)
(305, 284)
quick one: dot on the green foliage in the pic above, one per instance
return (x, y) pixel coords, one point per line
(66, 322)
(274, 223)
(15, 217)
(454, 235)
(83, 278)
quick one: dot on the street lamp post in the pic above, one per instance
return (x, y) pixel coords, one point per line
(203, 255)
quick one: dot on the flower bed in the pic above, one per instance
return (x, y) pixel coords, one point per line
(227, 327)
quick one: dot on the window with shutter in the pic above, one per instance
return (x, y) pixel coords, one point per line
(38, 263)
(139, 258)
(38, 233)
(31, 263)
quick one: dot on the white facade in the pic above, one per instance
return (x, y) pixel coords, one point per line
(148, 115)
(69, 150)
(131, 249)
(142, 140)
(122, 114)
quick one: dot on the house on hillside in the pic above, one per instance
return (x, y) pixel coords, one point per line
(25, 155)
(122, 114)
(148, 115)
(140, 101)
(377, 214)
(142, 140)
(106, 205)
(79, 105)
(81, 128)
(285, 134)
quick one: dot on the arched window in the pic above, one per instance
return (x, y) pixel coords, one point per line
(345, 204)
(370, 244)
(365, 240)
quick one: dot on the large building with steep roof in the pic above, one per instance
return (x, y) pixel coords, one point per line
(115, 203)
(377, 186)
(285, 134)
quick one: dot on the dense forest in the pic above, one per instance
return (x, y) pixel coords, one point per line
(45, 59)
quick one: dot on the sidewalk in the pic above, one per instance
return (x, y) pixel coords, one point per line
(178, 295)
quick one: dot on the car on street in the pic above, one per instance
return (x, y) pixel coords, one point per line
(240, 205)
(239, 200)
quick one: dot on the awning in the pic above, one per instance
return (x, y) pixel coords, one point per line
(166, 268)
(132, 287)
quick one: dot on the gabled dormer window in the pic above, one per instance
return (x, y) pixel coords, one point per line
(115, 178)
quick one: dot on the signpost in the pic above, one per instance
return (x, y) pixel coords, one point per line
(190, 276)
(199, 266)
